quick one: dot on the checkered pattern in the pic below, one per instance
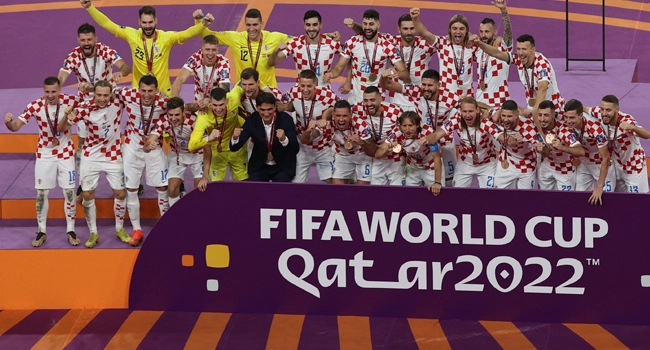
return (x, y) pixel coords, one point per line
(324, 99)
(422, 53)
(447, 102)
(183, 133)
(134, 133)
(297, 48)
(249, 104)
(418, 156)
(485, 134)
(558, 160)
(390, 114)
(339, 137)
(361, 69)
(448, 75)
(202, 73)
(523, 155)
(592, 137)
(103, 140)
(45, 148)
(495, 78)
(542, 71)
(106, 58)
(626, 148)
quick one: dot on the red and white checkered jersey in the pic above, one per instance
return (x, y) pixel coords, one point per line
(624, 144)
(297, 48)
(592, 137)
(216, 74)
(447, 104)
(542, 70)
(448, 76)
(323, 99)
(138, 127)
(379, 128)
(493, 75)
(523, 155)
(340, 137)
(104, 124)
(416, 58)
(249, 104)
(418, 156)
(361, 67)
(45, 148)
(486, 133)
(106, 58)
(180, 135)
(558, 160)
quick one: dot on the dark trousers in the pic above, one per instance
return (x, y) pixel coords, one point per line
(269, 173)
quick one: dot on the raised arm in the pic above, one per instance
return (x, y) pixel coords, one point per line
(389, 84)
(196, 29)
(490, 50)
(436, 135)
(507, 27)
(420, 28)
(103, 20)
(182, 77)
(358, 29)
(643, 133)
(277, 55)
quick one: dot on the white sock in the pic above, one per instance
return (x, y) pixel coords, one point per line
(70, 208)
(163, 201)
(133, 205)
(119, 208)
(173, 200)
(90, 210)
(42, 207)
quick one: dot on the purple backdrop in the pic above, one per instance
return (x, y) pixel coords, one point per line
(467, 254)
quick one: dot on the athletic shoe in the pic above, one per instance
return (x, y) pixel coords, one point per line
(72, 238)
(140, 189)
(122, 235)
(92, 240)
(39, 240)
(137, 237)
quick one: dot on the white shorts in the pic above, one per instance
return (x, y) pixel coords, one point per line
(387, 172)
(551, 179)
(632, 183)
(587, 175)
(177, 171)
(81, 129)
(420, 176)
(506, 178)
(136, 161)
(307, 156)
(449, 160)
(48, 172)
(345, 167)
(465, 173)
(90, 169)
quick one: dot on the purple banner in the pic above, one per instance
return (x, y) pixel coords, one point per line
(399, 252)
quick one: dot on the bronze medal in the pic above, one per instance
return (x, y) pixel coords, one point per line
(531, 102)
(348, 145)
(397, 148)
(55, 142)
(575, 161)
(505, 164)
(549, 138)
(372, 77)
(269, 156)
(475, 158)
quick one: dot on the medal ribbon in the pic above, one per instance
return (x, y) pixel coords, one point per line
(259, 50)
(91, 78)
(146, 51)
(55, 124)
(374, 54)
(314, 63)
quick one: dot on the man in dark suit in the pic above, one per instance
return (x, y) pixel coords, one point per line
(275, 144)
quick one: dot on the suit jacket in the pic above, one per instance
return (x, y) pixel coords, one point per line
(284, 156)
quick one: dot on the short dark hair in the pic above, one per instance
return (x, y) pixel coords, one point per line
(510, 105)
(404, 18)
(431, 74)
(574, 105)
(210, 39)
(488, 20)
(217, 94)
(250, 73)
(253, 13)
(371, 14)
(52, 81)
(147, 10)
(610, 99)
(265, 97)
(148, 80)
(372, 90)
(311, 14)
(342, 104)
(308, 74)
(546, 104)
(85, 29)
(176, 102)
(526, 37)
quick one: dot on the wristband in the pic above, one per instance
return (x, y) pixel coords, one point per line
(437, 183)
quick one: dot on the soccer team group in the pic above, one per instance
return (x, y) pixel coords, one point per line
(396, 127)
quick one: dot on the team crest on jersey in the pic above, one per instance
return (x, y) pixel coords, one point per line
(266, 47)
(105, 117)
(572, 137)
(157, 48)
(600, 138)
